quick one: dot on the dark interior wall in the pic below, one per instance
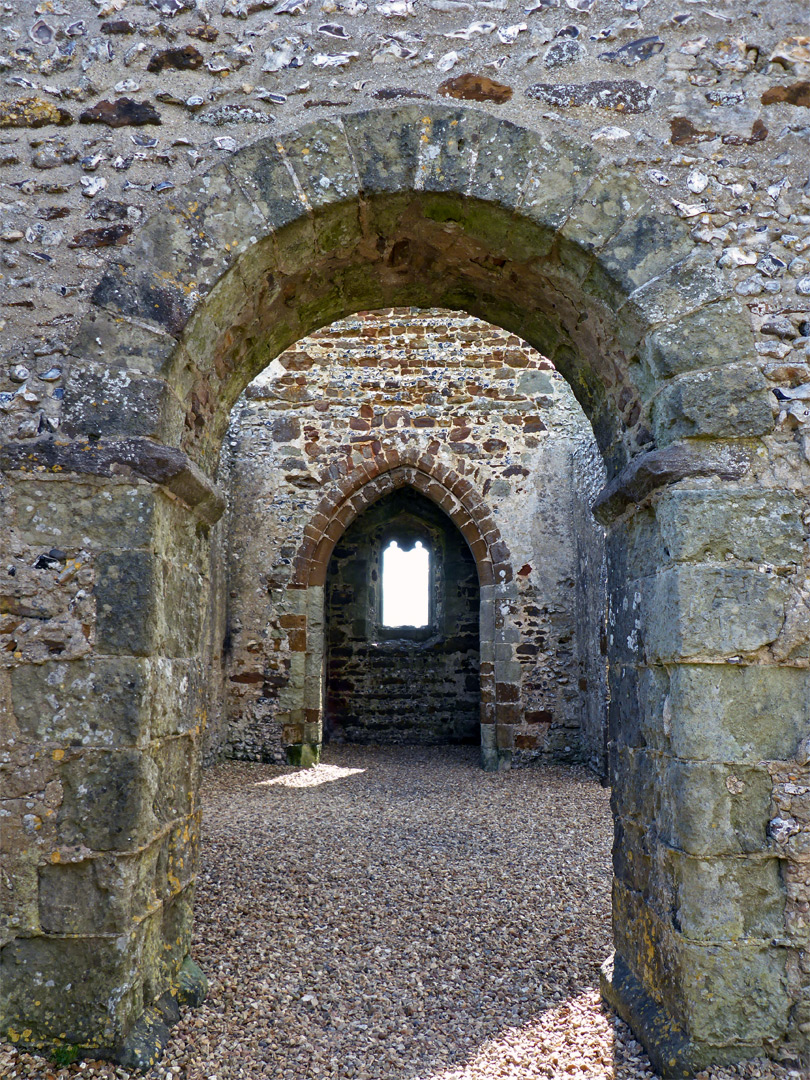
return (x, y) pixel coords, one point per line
(393, 685)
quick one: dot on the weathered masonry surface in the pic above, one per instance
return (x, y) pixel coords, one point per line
(625, 188)
(390, 685)
(415, 384)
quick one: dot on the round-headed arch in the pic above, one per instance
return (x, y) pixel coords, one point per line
(426, 206)
(434, 206)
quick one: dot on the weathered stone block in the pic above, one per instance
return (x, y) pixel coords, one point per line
(184, 594)
(234, 302)
(298, 254)
(649, 945)
(175, 935)
(609, 202)
(156, 967)
(177, 691)
(126, 593)
(84, 992)
(719, 712)
(108, 799)
(557, 173)
(322, 162)
(724, 402)
(734, 993)
(176, 767)
(487, 226)
(146, 296)
(714, 335)
(202, 231)
(693, 283)
(635, 776)
(108, 402)
(385, 146)
(448, 149)
(97, 896)
(94, 702)
(708, 809)
(708, 611)
(749, 525)
(177, 863)
(19, 900)
(644, 247)
(671, 1052)
(105, 338)
(262, 172)
(632, 856)
(71, 514)
(725, 899)
(626, 720)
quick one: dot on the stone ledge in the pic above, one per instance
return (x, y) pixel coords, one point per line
(166, 466)
(659, 468)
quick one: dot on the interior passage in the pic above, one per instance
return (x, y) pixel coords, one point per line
(409, 675)
(395, 912)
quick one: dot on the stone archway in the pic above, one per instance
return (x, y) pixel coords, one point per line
(415, 206)
(455, 495)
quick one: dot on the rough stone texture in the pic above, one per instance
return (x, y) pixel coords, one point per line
(484, 403)
(616, 243)
(402, 685)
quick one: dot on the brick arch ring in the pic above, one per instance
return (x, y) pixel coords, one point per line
(457, 497)
(382, 474)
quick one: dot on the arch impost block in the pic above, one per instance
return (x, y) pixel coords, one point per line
(659, 468)
(165, 466)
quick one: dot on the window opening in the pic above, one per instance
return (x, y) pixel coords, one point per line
(405, 585)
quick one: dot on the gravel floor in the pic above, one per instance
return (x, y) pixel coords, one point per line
(397, 913)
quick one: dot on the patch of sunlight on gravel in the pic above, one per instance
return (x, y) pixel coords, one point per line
(397, 913)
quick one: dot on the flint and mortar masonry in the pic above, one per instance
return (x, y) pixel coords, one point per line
(488, 406)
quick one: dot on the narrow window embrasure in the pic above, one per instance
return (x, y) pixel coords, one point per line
(405, 585)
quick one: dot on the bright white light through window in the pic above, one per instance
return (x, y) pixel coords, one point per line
(405, 585)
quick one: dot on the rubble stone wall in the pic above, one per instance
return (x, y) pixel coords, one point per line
(495, 410)
(622, 185)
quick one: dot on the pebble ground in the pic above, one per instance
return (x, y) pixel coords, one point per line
(397, 913)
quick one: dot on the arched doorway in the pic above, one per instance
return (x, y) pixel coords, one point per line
(456, 398)
(409, 677)
(422, 206)
(453, 495)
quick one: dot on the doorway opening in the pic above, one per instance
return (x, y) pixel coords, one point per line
(396, 426)
(412, 676)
